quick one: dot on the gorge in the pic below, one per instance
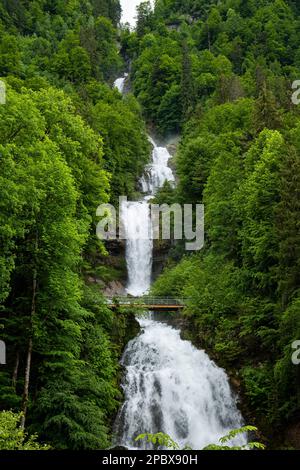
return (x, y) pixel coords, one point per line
(169, 386)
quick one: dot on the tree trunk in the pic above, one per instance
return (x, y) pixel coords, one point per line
(26, 384)
(30, 343)
(16, 370)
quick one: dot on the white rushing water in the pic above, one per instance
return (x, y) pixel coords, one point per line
(158, 171)
(136, 219)
(169, 385)
(120, 83)
(172, 387)
(139, 246)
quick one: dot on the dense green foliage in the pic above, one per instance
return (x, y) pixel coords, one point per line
(68, 142)
(189, 55)
(68, 46)
(222, 73)
(13, 437)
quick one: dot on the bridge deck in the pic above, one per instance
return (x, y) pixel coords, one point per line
(149, 303)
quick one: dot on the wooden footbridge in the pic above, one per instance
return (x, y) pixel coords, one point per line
(149, 303)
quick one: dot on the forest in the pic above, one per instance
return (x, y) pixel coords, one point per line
(68, 143)
(220, 75)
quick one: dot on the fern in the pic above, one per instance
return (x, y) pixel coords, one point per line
(163, 440)
(159, 439)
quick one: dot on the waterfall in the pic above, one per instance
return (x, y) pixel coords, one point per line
(136, 219)
(172, 387)
(158, 171)
(120, 83)
(169, 385)
(139, 246)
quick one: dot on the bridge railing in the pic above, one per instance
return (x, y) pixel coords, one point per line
(147, 300)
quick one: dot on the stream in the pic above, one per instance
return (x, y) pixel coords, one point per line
(169, 386)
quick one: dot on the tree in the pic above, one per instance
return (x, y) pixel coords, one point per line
(59, 181)
(187, 85)
(288, 226)
(213, 26)
(222, 220)
(10, 57)
(170, 111)
(267, 113)
(257, 202)
(13, 437)
(144, 18)
(126, 149)
(109, 8)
